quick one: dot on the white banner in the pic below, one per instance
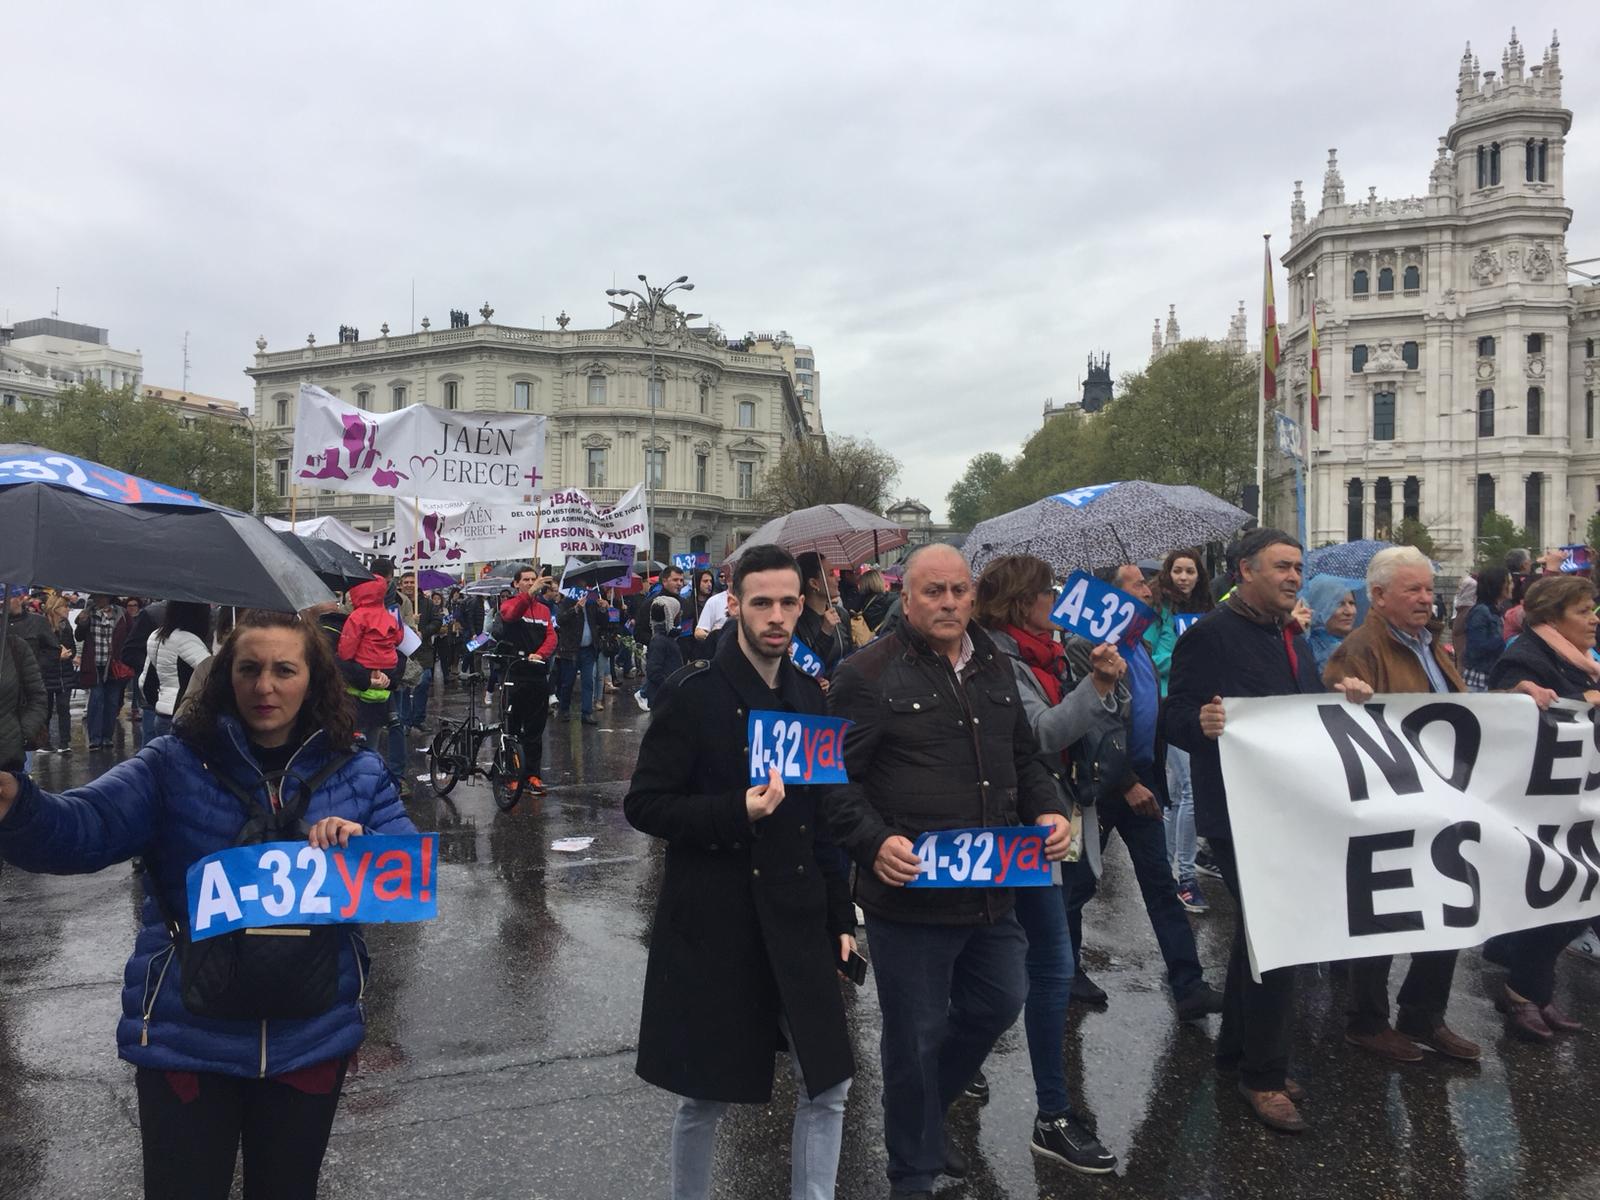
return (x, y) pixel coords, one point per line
(419, 451)
(1410, 823)
(448, 533)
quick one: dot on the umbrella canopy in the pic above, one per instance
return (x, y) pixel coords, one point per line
(1349, 559)
(842, 532)
(592, 574)
(334, 565)
(74, 524)
(347, 537)
(1107, 524)
(430, 580)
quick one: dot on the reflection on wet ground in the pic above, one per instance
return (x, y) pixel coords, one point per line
(500, 1047)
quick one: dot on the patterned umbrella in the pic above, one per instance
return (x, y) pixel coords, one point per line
(844, 533)
(1348, 559)
(1107, 524)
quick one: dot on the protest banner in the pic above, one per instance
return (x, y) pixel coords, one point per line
(807, 659)
(438, 533)
(1410, 823)
(420, 451)
(1099, 612)
(1009, 857)
(375, 878)
(691, 562)
(800, 747)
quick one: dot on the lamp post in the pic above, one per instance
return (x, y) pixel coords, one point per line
(255, 466)
(1476, 413)
(651, 301)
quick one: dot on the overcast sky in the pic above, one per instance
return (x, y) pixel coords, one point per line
(953, 203)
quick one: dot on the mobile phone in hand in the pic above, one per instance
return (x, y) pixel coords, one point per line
(854, 968)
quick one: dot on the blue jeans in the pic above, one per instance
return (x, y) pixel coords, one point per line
(814, 1146)
(946, 994)
(147, 724)
(417, 698)
(1146, 840)
(100, 721)
(1044, 919)
(1181, 842)
(585, 669)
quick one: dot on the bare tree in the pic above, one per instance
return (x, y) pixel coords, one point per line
(840, 470)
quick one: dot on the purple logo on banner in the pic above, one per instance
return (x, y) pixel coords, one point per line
(800, 747)
(806, 658)
(1099, 612)
(1009, 857)
(375, 878)
(91, 479)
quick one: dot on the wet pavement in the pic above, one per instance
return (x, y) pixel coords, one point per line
(499, 1055)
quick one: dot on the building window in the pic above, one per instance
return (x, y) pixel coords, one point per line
(1588, 415)
(1544, 160)
(281, 409)
(280, 476)
(597, 469)
(363, 399)
(655, 469)
(1484, 504)
(1382, 509)
(1536, 343)
(1353, 522)
(597, 389)
(1383, 417)
(1486, 413)
(9, 402)
(699, 544)
(804, 364)
(1533, 508)
(1358, 359)
(657, 393)
(1538, 160)
(1358, 284)
(1494, 163)
(1408, 355)
(1411, 499)
(1588, 348)
(702, 469)
(1413, 279)
(1531, 170)
(705, 397)
(1535, 411)
(746, 480)
(1486, 347)
(522, 395)
(747, 414)
(452, 394)
(1386, 279)
(397, 397)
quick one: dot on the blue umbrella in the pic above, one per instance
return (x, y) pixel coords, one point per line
(1106, 524)
(1348, 559)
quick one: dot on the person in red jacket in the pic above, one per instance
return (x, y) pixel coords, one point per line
(529, 636)
(370, 639)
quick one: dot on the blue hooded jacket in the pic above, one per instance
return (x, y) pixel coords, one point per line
(1322, 595)
(166, 805)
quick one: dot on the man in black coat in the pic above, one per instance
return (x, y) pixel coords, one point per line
(940, 741)
(753, 922)
(1248, 646)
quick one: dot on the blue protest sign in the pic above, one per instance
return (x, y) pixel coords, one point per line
(375, 878)
(1099, 612)
(1008, 857)
(800, 747)
(479, 642)
(807, 659)
(688, 562)
(1078, 497)
(90, 478)
(1183, 622)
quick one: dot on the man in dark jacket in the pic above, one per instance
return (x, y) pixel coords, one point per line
(528, 632)
(824, 628)
(751, 926)
(1248, 646)
(939, 741)
(580, 628)
(1135, 812)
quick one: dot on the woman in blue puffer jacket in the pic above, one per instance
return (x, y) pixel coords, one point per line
(273, 717)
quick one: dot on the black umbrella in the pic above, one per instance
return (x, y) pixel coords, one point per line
(593, 574)
(74, 524)
(334, 565)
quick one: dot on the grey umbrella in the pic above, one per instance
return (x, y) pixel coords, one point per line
(842, 532)
(1107, 524)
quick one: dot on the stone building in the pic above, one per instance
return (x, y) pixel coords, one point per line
(39, 358)
(1458, 365)
(705, 420)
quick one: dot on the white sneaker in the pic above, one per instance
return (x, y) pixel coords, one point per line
(642, 702)
(1586, 946)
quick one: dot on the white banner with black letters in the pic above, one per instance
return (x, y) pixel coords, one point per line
(1418, 822)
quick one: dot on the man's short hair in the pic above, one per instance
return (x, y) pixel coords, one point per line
(521, 570)
(1108, 575)
(764, 557)
(1381, 570)
(928, 548)
(1518, 560)
(810, 564)
(383, 567)
(1252, 545)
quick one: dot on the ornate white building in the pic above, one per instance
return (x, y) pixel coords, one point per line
(706, 425)
(1458, 365)
(39, 358)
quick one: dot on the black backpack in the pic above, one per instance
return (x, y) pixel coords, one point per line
(285, 972)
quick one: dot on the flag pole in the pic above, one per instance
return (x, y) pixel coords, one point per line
(416, 557)
(1261, 398)
(538, 520)
(294, 496)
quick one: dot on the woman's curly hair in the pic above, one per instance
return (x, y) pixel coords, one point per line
(327, 705)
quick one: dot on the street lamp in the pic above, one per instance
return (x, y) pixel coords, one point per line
(1476, 413)
(255, 465)
(651, 301)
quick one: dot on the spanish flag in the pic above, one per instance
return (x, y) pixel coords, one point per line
(1269, 334)
(1316, 370)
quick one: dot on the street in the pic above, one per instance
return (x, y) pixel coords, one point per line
(499, 1055)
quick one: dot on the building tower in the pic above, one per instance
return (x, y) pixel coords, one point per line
(1097, 385)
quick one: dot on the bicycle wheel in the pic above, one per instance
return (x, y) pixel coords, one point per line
(445, 759)
(505, 775)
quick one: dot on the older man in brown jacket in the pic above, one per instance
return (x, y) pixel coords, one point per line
(1395, 651)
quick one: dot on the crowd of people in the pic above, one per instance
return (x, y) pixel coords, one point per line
(968, 708)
